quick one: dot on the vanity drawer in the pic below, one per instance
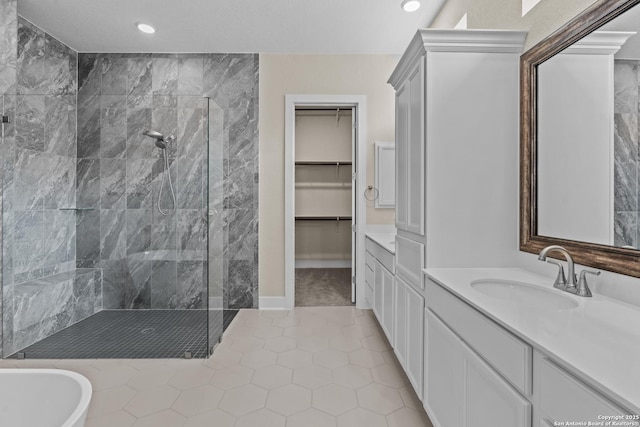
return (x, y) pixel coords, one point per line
(368, 293)
(369, 245)
(376, 251)
(564, 397)
(368, 275)
(386, 258)
(508, 355)
(370, 260)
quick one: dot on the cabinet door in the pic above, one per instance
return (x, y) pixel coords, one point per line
(562, 396)
(415, 151)
(387, 303)
(461, 390)
(402, 132)
(490, 400)
(400, 346)
(377, 290)
(414, 360)
(444, 364)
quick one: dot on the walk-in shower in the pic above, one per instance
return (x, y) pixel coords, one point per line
(106, 236)
(114, 246)
(161, 143)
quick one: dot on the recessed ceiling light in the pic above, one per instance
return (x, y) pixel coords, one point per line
(145, 28)
(410, 5)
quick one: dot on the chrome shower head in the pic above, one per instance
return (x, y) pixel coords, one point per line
(160, 142)
(153, 134)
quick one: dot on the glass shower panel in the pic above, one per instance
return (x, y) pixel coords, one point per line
(170, 256)
(142, 244)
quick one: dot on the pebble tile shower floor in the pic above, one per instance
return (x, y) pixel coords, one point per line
(308, 367)
(135, 334)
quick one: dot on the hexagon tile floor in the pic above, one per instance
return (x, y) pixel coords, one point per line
(308, 367)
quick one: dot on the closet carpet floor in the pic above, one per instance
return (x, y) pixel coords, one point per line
(317, 287)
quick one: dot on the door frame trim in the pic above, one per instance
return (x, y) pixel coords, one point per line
(359, 103)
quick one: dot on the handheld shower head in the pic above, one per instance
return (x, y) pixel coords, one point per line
(153, 134)
(160, 142)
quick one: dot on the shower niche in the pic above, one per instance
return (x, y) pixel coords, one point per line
(129, 224)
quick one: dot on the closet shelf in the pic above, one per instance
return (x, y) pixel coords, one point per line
(323, 163)
(322, 218)
(319, 185)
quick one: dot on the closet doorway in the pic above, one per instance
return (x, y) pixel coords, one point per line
(324, 150)
(322, 184)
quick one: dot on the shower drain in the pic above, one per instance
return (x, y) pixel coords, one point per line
(147, 330)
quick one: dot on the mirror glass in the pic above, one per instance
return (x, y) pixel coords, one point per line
(587, 154)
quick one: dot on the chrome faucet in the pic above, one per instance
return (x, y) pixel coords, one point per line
(571, 283)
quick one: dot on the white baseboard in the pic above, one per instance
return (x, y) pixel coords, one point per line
(323, 263)
(271, 303)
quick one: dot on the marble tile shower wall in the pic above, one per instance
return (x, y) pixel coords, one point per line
(40, 291)
(8, 57)
(626, 153)
(150, 260)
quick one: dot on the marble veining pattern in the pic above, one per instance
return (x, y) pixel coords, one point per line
(8, 45)
(75, 140)
(38, 179)
(165, 92)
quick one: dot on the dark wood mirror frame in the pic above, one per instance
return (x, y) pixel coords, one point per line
(619, 260)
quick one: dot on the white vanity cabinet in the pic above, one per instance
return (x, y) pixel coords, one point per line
(399, 308)
(409, 332)
(410, 118)
(380, 268)
(457, 97)
(462, 389)
(562, 396)
(384, 288)
(477, 373)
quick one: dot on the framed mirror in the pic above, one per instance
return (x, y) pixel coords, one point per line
(580, 139)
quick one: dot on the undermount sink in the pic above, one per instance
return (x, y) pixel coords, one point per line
(524, 294)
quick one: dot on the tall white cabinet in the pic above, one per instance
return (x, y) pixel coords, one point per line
(456, 158)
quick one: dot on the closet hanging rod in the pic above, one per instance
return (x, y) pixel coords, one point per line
(323, 163)
(316, 185)
(344, 108)
(323, 218)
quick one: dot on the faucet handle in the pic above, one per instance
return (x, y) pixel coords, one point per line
(561, 280)
(583, 289)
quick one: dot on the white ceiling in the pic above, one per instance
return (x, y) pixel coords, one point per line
(264, 26)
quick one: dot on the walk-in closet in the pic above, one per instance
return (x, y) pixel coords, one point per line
(324, 206)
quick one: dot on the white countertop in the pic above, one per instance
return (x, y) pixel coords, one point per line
(386, 240)
(599, 339)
